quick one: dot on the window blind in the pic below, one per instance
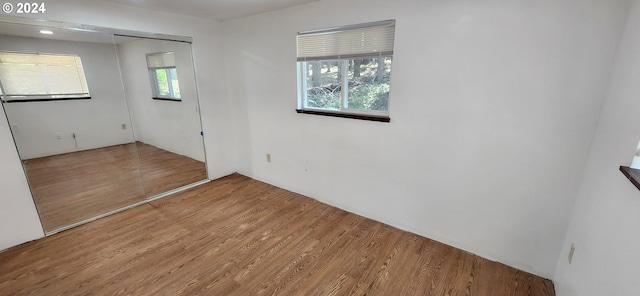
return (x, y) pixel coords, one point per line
(161, 60)
(25, 76)
(363, 40)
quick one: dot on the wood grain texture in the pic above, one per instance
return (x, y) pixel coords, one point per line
(238, 236)
(72, 187)
(163, 170)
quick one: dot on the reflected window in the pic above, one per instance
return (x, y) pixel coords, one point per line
(635, 163)
(164, 76)
(28, 77)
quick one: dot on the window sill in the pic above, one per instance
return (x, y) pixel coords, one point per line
(346, 115)
(47, 100)
(632, 174)
(167, 99)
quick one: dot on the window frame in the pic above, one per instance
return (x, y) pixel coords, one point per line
(344, 90)
(313, 46)
(26, 98)
(155, 85)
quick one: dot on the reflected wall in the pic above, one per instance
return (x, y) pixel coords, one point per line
(161, 124)
(89, 157)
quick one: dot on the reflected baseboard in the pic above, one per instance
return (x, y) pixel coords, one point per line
(179, 189)
(146, 201)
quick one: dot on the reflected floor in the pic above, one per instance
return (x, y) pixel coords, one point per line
(163, 170)
(72, 187)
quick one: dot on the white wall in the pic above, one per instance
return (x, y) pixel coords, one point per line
(172, 126)
(212, 88)
(493, 107)
(19, 220)
(607, 211)
(96, 122)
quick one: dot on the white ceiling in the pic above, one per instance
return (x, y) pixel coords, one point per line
(214, 9)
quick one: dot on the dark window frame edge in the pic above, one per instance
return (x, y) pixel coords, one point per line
(47, 100)
(632, 174)
(166, 99)
(346, 115)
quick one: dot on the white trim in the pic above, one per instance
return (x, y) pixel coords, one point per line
(350, 27)
(344, 89)
(343, 68)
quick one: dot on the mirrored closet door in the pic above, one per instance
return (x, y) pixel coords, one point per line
(101, 121)
(160, 86)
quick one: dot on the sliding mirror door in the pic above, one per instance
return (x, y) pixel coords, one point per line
(66, 107)
(101, 122)
(160, 85)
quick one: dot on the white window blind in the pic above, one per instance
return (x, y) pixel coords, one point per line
(363, 40)
(161, 60)
(33, 76)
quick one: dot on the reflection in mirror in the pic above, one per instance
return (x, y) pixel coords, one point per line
(635, 163)
(160, 86)
(88, 146)
(78, 158)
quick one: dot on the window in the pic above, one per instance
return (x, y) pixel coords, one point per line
(164, 76)
(28, 77)
(346, 71)
(632, 172)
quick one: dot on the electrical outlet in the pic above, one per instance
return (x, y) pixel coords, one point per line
(571, 251)
(124, 126)
(268, 157)
(58, 136)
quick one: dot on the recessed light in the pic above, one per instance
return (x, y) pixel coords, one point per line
(46, 32)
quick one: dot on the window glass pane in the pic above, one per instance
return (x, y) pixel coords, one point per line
(323, 84)
(163, 83)
(174, 83)
(369, 81)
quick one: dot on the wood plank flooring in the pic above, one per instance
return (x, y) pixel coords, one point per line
(72, 187)
(238, 236)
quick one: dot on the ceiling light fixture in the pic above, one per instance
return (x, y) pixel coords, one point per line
(46, 32)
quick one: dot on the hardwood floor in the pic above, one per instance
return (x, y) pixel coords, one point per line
(72, 187)
(238, 236)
